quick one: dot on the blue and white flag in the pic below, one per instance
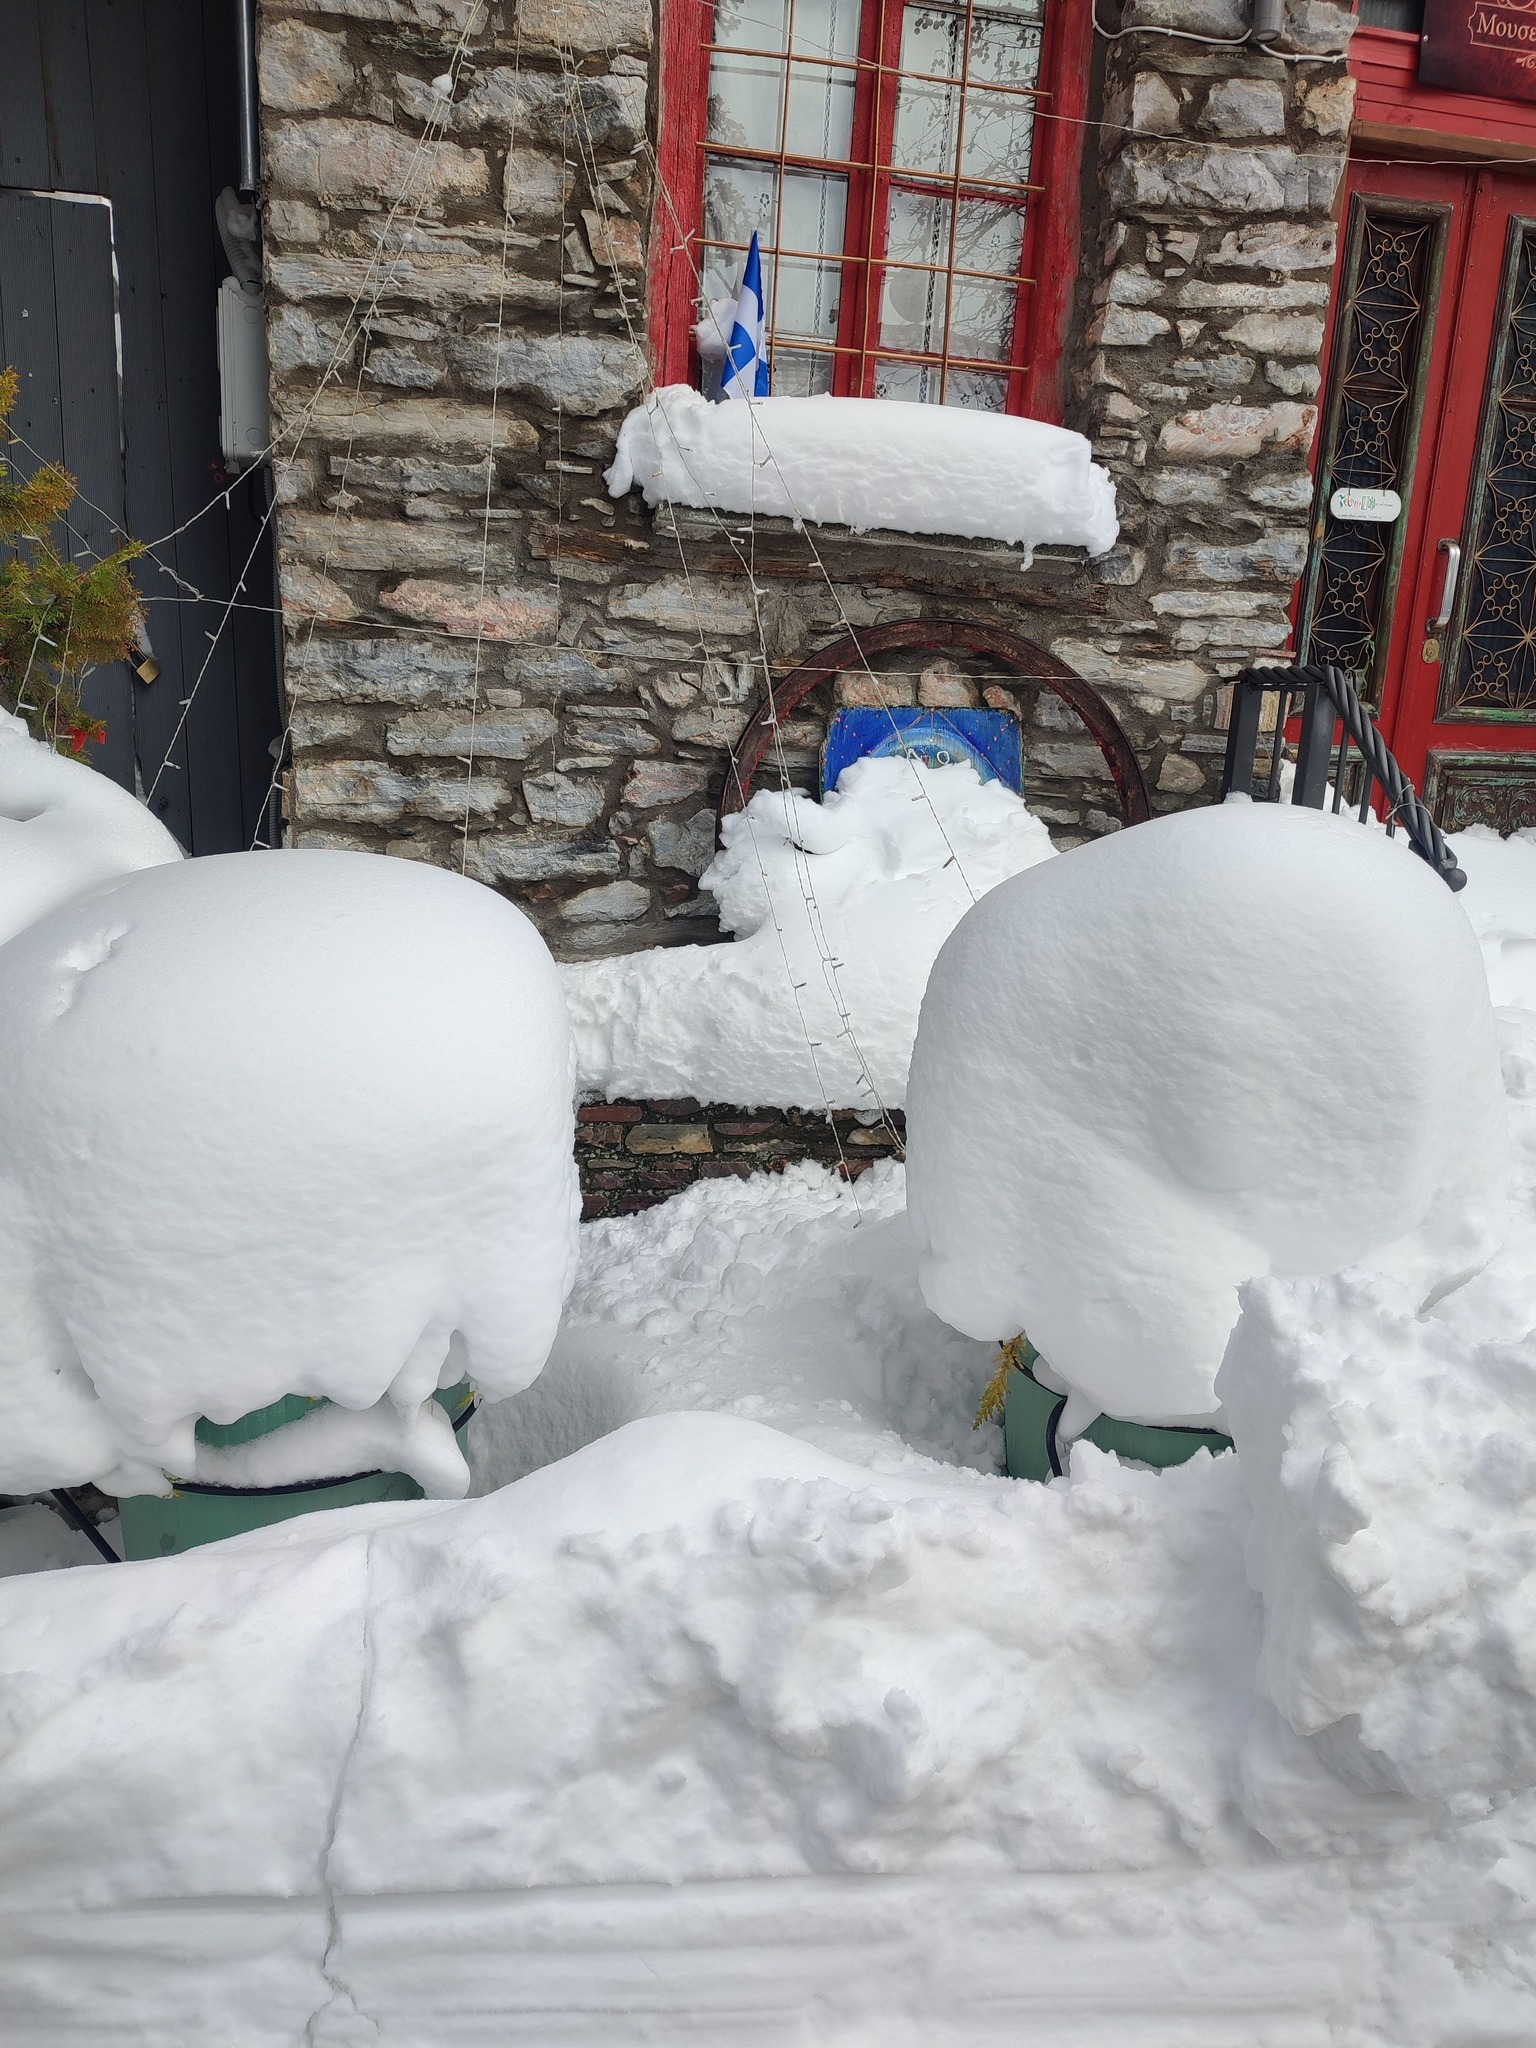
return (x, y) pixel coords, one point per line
(745, 372)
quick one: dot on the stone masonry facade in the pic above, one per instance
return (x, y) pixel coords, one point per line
(634, 1154)
(1198, 373)
(492, 664)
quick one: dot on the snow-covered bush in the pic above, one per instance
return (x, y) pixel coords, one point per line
(275, 1123)
(59, 617)
(1232, 1041)
(838, 909)
(63, 827)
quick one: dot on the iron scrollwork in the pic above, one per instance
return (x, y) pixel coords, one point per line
(1371, 432)
(1493, 675)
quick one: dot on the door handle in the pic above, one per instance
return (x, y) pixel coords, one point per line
(1451, 549)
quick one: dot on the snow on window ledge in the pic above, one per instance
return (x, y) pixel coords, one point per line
(869, 463)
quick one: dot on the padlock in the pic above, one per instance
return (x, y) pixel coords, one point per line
(146, 668)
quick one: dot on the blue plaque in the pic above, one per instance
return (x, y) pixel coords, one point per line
(992, 741)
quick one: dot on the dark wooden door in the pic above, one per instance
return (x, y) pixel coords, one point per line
(133, 102)
(58, 329)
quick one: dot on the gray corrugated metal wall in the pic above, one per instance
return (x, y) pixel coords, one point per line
(134, 100)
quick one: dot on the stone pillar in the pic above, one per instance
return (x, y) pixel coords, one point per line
(1197, 376)
(455, 204)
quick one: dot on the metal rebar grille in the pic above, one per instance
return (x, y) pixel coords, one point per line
(881, 151)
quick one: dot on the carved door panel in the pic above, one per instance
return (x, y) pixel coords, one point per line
(1433, 376)
(1472, 711)
(1403, 233)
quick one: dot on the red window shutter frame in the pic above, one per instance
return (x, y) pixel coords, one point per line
(1054, 221)
(681, 114)
(1053, 240)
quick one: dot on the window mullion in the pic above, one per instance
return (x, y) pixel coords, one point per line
(856, 220)
(771, 310)
(961, 90)
(882, 136)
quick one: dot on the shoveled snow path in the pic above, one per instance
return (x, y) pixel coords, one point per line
(1295, 1956)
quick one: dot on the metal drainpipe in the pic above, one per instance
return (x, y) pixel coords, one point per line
(245, 87)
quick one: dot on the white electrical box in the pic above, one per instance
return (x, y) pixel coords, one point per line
(245, 414)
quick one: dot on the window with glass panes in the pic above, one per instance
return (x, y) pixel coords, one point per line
(892, 159)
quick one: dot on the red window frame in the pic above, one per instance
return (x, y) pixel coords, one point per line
(1049, 258)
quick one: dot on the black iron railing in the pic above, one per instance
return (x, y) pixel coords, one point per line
(1329, 703)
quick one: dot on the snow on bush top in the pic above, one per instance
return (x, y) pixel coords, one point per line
(62, 827)
(873, 879)
(275, 1123)
(1230, 1041)
(868, 463)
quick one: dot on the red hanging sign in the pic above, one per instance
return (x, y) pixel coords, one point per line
(1482, 46)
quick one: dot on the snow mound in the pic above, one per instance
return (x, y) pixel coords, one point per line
(1389, 1453)
(790, 1297)
(34, 1539)
(867, 463)
(1231, 1041)
(275, 1123)
(63, 827)
(1391, 1465)
(839, 910)
(698, 1649)
(1500, 899)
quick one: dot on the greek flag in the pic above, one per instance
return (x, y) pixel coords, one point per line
(745, 374)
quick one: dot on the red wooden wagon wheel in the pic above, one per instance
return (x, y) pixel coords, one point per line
(1028, 663)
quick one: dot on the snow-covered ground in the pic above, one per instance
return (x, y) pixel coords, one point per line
(757, 1716)
(747, 1701)
(33, 1538)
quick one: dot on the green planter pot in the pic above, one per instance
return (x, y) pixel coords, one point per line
(162, 1525)
(1030, 1415)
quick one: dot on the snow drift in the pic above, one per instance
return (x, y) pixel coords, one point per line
(868, 462)
(1500, 900)
(992, 1743)
(791, 1297)
(1230, 1041)
(839, 910)
(696, 1649)
(1389, 1453)
(275, 1123)
(63, 827)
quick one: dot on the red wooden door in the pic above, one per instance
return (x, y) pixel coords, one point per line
(1431, 391)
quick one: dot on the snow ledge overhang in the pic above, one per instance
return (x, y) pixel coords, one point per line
(866, 464)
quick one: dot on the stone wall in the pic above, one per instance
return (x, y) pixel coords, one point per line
(635, 1154)
(559, 722)
(1198, 373)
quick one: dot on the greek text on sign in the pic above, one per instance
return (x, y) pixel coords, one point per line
(1482, 46)
(1376, 507)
